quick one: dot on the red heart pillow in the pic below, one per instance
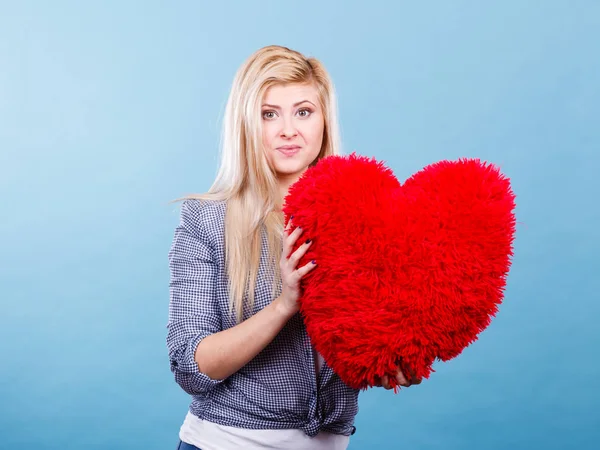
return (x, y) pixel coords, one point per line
(406, 273)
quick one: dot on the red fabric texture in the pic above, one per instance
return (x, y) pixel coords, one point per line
(406, 274)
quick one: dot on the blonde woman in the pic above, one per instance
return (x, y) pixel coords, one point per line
(237, 343)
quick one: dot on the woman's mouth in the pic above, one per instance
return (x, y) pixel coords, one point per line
(289, 150)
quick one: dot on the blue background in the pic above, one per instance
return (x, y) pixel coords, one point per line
(109, 110)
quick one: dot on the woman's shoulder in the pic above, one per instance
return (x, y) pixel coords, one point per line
(204, 216)
(203, 206)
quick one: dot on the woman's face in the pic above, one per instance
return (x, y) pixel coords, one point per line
(293, 125)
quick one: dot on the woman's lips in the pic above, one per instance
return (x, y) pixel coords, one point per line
(289, 150)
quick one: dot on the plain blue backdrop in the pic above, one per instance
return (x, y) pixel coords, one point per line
(110, 109)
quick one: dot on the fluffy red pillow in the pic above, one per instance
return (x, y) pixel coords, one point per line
(406, 274)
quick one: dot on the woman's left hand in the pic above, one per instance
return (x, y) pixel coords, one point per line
(401, 379)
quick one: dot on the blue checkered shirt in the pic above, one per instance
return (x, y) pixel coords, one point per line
(279, 388)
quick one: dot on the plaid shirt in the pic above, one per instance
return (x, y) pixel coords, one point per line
(279, 388)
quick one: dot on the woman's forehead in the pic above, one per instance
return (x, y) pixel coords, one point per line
(289, 94)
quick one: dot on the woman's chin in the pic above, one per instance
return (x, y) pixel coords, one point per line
(291, 168)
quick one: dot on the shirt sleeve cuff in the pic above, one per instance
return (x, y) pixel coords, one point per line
(187, 373)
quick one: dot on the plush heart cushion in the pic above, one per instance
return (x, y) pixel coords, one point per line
(406, 274)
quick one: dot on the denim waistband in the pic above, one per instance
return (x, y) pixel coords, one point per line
(184, 446)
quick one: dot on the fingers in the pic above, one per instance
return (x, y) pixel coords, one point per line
(292, 262)
(402, 381)
(413, 378)
(306, 268)
(385, 383)
(289, 262)
(288, 227)
(289, 224)
(290, 240)
(299, 253)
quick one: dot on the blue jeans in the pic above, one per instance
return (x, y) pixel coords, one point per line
(183, 446)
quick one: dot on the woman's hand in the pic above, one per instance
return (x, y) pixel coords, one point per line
(290, 273)
(401, 379)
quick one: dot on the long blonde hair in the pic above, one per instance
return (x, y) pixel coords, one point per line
(245, 178)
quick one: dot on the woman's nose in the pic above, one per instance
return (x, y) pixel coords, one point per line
(288, 128)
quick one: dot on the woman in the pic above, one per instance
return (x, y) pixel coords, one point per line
(236, 340)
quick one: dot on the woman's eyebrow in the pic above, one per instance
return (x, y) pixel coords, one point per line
(294, 105)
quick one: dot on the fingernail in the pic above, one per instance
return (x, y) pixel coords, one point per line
(291, 217)
(308, 241)
(313, 261)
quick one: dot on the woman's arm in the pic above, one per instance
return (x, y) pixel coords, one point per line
(224, 353)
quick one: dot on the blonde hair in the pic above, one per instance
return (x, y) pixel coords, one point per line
(245, 179)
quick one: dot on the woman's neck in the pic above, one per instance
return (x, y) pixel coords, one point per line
(284, 186)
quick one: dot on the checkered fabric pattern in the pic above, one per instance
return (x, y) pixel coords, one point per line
(279, 388)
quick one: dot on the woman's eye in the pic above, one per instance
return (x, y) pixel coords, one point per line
(307, 111)
(268, 114)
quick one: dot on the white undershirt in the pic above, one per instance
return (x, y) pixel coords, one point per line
(211, 436)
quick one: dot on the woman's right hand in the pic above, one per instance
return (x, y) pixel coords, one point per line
(290, 273)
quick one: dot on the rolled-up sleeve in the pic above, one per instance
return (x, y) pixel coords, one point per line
(193, 307)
